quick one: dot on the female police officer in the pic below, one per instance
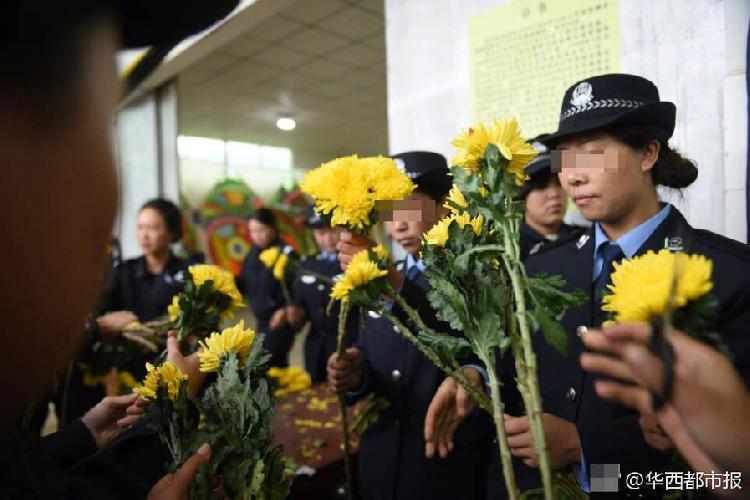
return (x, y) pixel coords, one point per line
(263, 292)
(142, 288)
(391, 460)
(611, 154)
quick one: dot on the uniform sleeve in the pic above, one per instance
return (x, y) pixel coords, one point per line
(130, 465)
(70, 444)
(733, 327)
(365, 387)
(29, 470)
(598, 440)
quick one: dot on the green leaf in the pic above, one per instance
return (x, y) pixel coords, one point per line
(447, 347)
(553, 332)
(462, 261)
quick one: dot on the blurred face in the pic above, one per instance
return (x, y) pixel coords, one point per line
(410, 219)
(545, 207)
(326, 238)
(51, 279)
(261, 234)
(604, 177)
(153, 235)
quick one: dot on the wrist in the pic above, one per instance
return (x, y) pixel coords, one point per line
(90, 424)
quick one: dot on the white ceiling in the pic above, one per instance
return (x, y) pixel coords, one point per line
(321, 62)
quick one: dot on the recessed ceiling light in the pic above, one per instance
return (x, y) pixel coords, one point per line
(286, 123)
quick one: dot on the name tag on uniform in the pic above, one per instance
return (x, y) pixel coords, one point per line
(308, 279)
(373, 314)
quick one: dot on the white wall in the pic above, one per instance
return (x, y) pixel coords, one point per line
(694, 50)
(146, 150)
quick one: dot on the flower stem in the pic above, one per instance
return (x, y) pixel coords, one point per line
(340, 353)
(285, 292)
(498, 411)
(454, 372)
(528, 383)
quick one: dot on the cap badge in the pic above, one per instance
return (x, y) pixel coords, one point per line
(582, 94)
(400, 164)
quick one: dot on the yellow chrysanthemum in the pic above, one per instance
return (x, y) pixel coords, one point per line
(456, 197)
(173, 309)
(269, 255)
(165, 375)
(360, 272)
(347, 188)
(280, 266)
(438, 234)
(381, 252)
(464, 219)
(235, 339)
(641, 286)
(387, 181)
(506, 136)
(223, 282)
(290, 380)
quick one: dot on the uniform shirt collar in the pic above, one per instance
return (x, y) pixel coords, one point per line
(328, 256)
(411, 261)
(634, 239)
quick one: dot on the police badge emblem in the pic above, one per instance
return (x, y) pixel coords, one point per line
(582, 241)
(673, 244)
(400, 164)
(582, 94)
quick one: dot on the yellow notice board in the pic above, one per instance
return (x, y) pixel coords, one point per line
(523, 55)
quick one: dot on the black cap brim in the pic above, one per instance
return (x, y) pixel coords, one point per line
(657, 114)
(146, 23)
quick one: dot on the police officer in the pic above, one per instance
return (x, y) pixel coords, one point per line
(612, 153)
(263, 292)
(391, 459)
(545, 207)
(142, 288)
(311, 297)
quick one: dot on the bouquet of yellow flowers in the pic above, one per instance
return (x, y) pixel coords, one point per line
(169, 411)
(365, 285)
(233, 413)
(479, 284)
(210, 296)
(347, 190)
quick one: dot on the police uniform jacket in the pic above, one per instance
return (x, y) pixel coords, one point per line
(261, 290)
(312, 294)
(391, 459)
(67, 464)
(131, 287)
(264, 295)
(532, 241)
(610, 433)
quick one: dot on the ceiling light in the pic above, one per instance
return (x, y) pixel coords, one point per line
(286, 123)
